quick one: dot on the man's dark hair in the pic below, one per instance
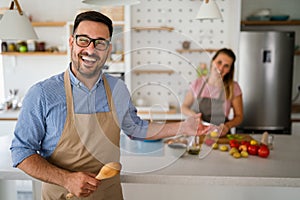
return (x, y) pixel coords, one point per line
(95, 17)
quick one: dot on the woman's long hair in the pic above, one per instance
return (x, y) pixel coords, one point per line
(228, 78)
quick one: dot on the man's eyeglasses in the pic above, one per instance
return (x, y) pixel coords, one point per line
(99, 43)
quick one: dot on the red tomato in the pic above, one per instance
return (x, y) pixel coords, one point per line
(247, 143)
(263, 151)
(234, 143)
(253, 149)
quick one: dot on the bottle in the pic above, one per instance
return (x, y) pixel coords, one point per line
(4, 47)
(194, 148)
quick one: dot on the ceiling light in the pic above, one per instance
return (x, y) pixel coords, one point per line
(209, 10)
(15, 25)
(111, 2)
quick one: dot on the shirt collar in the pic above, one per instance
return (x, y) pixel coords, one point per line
(77, 83)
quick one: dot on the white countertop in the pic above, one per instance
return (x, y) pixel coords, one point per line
(9, 115)
(281, 168)
(156, 163)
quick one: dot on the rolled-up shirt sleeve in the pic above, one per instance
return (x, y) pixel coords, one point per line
(130, 123)
(30, 129)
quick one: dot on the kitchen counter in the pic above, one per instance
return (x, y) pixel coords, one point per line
(214, 167)
(154, 162)
(152, 166)
(9, 115)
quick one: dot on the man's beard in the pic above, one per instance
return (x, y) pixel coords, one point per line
(79, 65)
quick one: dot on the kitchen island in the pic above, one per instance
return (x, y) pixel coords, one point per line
(156, 169)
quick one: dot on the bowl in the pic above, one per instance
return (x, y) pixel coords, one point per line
(258, 18)
(263, 12)
(279, 17)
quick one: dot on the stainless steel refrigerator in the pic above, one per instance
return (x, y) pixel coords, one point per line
(265, 74)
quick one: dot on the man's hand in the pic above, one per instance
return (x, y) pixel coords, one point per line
(81, 184)
(191, 125)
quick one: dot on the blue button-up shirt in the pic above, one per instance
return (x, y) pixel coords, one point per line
(43, 114)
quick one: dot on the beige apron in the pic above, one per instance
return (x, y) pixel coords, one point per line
(87, 142)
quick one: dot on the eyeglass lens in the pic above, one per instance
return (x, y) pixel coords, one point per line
(84, 41)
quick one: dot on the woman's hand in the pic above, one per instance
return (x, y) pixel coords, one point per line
(224, 129)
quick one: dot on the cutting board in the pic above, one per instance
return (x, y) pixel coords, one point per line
(225, 139)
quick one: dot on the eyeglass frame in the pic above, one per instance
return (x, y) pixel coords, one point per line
(92, 40)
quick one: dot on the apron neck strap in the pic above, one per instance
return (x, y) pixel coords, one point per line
(202, 88)
(68, 90)
(69, 98)
(108, 92)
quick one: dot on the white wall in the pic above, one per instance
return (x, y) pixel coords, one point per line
(157, 49)
(289, 7)
(21, 72)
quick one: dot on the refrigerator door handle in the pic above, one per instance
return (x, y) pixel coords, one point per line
(266, 56)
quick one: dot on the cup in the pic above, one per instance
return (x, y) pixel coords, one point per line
(271, 141)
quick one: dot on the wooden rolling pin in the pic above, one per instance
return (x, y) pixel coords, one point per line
(107, 171)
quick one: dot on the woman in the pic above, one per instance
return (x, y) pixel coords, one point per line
(217, 93)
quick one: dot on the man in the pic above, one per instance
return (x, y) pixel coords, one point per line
(69, 125)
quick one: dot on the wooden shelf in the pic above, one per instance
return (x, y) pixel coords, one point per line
(196, 50)
(157, 28)
(48, 24)
(271, 23)
(297, 53)
(41, 53)
(153, 71)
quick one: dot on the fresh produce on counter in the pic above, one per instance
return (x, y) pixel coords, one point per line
(263, 151)
(243, 148)
(246, 148)
(223, 147)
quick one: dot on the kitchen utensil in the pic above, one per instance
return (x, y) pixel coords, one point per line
(179, 142)
(225, 139)
(264, 138)
(107, 171)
